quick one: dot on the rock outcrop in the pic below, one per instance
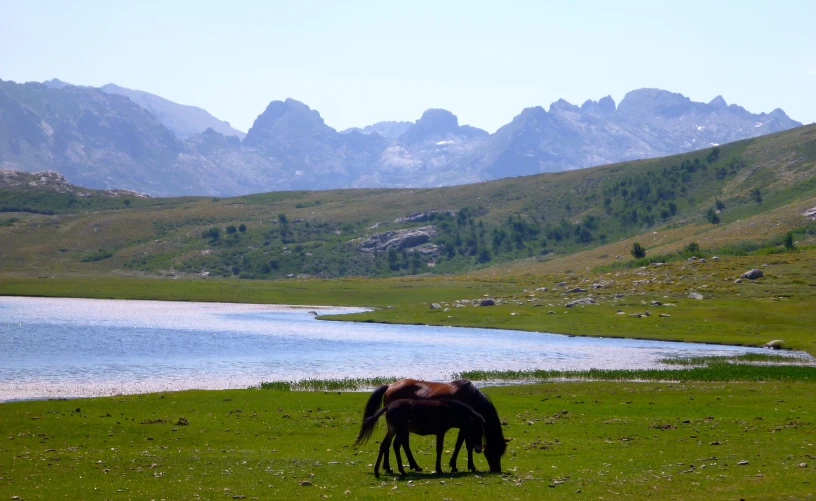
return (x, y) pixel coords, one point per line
(400, 239)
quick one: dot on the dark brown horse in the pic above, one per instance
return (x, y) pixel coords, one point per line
(423, 417)
(461, 390)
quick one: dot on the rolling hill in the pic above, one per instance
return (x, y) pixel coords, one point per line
(393, 232)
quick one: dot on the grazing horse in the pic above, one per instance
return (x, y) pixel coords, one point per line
(423, 417)
(462, 390)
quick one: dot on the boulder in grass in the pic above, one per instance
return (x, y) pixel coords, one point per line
(695, 295)
(576, 290)
(436, 306)
(487, 302)
(752, 274)
(586, 300)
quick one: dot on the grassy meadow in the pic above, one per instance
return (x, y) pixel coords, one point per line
(601, 440)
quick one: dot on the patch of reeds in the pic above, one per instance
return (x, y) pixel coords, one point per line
(722, 372)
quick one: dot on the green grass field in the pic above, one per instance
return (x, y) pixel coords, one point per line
(571, 440)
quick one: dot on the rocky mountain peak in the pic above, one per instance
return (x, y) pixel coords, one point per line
(562, 105)
(439, 118)
(287, 119)
(55, 83)
(434, 123)
(718, 103)
(531, 113)
(604, 106)
(655, 103)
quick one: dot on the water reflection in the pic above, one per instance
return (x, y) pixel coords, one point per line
(82, 347)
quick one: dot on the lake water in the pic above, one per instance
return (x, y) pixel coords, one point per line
(85, 347)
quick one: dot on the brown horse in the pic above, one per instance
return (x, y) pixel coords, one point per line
(423, 417)
(461, 390)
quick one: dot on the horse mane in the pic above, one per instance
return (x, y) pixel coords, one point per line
(482, 404)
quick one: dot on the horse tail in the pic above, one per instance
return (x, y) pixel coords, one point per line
(374, 401)
(368, 427)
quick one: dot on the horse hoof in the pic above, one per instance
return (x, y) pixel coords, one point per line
(417, 469)
(454, 470)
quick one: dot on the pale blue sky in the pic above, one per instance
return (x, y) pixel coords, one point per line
(362, 62)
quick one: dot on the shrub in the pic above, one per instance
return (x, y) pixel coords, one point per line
(638, 251)
(712, 216)
(788, 241)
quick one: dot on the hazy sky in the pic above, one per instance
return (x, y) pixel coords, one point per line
(363, 62)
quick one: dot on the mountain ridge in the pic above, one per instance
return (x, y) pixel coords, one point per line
(290, 146)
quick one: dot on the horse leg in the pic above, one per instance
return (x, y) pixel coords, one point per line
(398, 441)
(440, 442)
(459, 440)
(384, 453)
(405, 445)
(471, 465)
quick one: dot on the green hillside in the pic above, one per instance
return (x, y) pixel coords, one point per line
(275, 235)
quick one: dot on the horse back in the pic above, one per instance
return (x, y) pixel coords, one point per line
(413, 389)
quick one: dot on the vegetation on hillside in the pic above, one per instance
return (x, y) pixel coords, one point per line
(477, 226)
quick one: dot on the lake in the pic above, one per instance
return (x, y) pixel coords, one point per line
(52, 348)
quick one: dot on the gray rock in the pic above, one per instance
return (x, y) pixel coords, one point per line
(752, 274)
(400, 239)
(586, 300)
(811, 213)
(561, 284)
(664, 315)
(618, 296)
(776, 344)
(487, 302)
(738, 281)
(435, 306)
(576, 290)
(695, 295)
(656, 303)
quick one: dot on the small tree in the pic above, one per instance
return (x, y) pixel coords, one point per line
(242, 228)
(756, 194)
(692, 247)
(788, 241)
(712, 216)
(211, 233)
(231, 229)
(719, 204)
(638, 251)
(393, 259)
(282, 218)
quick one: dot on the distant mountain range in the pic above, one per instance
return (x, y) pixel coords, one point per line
(121, 138)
